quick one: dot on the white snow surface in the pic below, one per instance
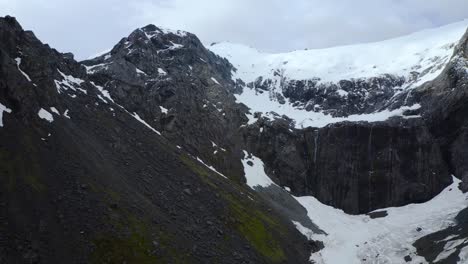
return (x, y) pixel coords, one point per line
(137, 117)
(164, 31)
(415, 52)
(18, 63)
(382, 240)
(255, 174)
(163, 109)
(54, 110)
(426, 52)
(3, 109)
(162, 72)
(463, 255)
(65, 114)
(44, 114)
(104, 92)
(140, 71)
(211, 168)
(214, 80)
(69, 82)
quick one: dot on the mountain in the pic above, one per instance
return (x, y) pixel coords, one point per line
(86, 180)
(161, 150)
(355, 83)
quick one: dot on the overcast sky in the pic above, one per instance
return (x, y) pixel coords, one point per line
(86, 27)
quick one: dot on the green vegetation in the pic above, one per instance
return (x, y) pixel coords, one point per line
(250, 222)
(136, 247)
(23, 166)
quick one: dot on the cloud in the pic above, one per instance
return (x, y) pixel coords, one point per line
(88, 26)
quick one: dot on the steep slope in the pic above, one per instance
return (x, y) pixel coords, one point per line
(180, 88)
(86, 180)
(444, 104)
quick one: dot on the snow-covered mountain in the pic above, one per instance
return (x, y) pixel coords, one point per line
(364, 82)
(160, 151)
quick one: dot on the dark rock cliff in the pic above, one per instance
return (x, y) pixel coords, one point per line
(358, 167)
(445, 106)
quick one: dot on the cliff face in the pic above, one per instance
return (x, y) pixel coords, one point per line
(84, 179)
(358, 167)
(444, 101)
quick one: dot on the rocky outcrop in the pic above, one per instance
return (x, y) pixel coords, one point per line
(84, 179)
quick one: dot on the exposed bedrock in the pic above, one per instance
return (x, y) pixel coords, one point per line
(358, 167)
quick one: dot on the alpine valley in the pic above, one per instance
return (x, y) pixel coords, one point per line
(162, 150)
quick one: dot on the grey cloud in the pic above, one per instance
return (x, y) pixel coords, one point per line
(88, 26)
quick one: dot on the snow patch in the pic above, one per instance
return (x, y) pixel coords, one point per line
(18, 63)
(69, 82)
(254, 170)
(137, 117)
(163, 110)
(211, 167)
(96, 68)
(104, 92)
(179, 33)
(214, 80)
(3, 109)
(44, 114)
(381, 240)
(65, 114)
(140, 71)
(162, 72)
(54, 110)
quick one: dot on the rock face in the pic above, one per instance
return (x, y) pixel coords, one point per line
(182, 89)
(358, 167)
(84, 179)
(444, 102)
